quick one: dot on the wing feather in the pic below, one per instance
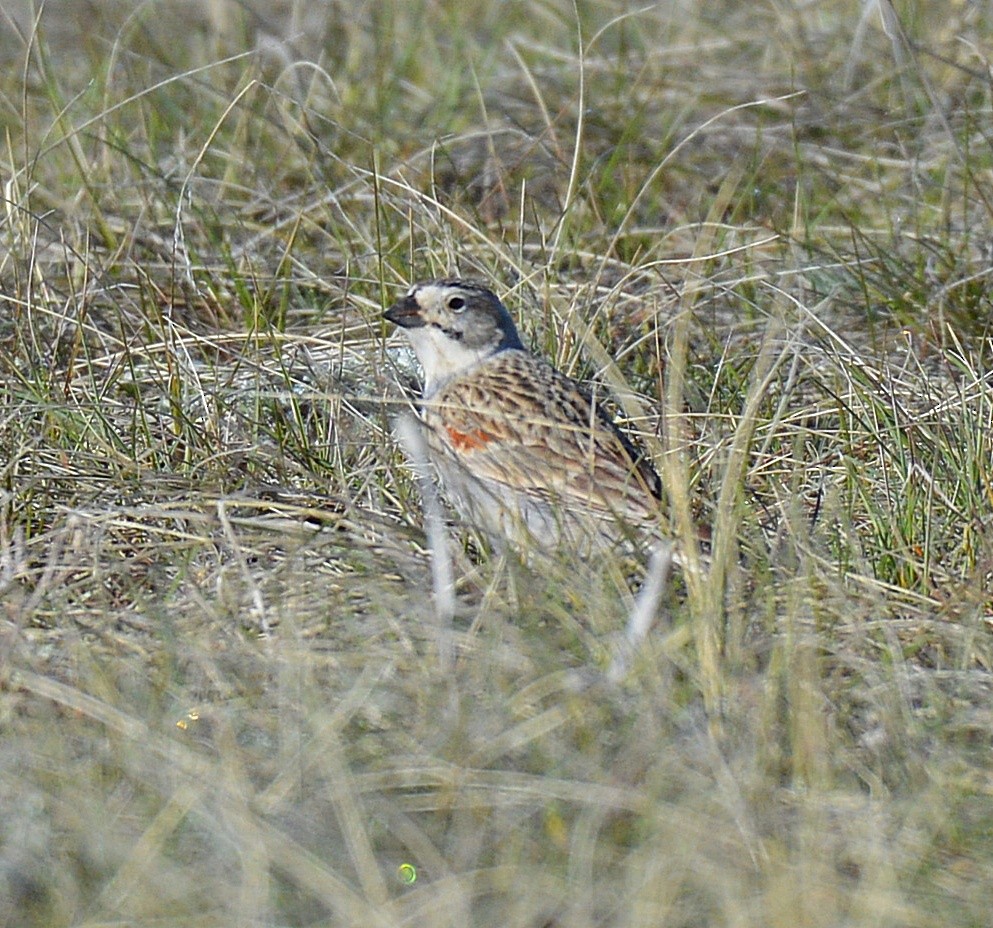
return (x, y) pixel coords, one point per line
(517, 422)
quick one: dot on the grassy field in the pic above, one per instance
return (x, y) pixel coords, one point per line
(229, 694)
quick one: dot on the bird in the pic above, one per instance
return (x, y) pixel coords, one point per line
(521, 450)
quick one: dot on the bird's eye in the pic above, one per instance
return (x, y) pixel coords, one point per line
(456, 304)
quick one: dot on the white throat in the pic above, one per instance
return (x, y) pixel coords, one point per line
(442, 357)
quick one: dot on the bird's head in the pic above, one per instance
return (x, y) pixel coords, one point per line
(452, 326)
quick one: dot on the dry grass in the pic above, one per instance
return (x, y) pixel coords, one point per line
(223, 695)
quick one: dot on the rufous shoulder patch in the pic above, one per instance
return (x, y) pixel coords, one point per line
(469, 441)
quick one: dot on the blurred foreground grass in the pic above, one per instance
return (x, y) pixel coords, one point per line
(765, 226)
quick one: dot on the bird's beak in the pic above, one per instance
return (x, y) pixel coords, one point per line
(405, 313)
